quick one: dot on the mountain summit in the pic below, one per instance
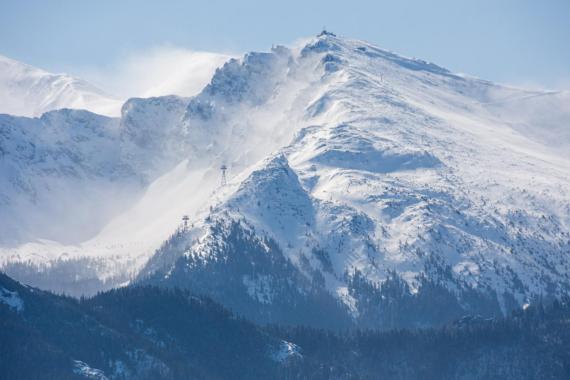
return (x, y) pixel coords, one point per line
(385, 190)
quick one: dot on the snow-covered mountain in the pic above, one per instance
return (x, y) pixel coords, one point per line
(65, 177)
(382, 189)
(61, 174)
(29, 91)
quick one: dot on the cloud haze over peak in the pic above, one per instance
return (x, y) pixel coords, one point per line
(164, 70)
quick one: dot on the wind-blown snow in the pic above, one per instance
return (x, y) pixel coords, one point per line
(160, 71)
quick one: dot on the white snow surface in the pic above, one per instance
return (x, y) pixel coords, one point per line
(164, 71)
(29, 91)
(287, 351)
(12, 299)
(84, 370)
(382, 161)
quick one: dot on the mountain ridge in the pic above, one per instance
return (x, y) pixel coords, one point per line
(29, 91)
(386, 164)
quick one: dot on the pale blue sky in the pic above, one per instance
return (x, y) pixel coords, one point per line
(510, 41)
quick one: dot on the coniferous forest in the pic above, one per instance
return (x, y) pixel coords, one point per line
(145, 332)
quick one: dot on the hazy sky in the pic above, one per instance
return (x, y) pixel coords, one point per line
(511, 41)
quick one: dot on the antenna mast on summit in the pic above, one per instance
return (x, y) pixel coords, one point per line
(224, 168)
(185, 220)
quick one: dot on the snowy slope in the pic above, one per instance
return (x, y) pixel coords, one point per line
(28, 91)
(59, 173)
(352, 163)
(67, 175)
(397, 165)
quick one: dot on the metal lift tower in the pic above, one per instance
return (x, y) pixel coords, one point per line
(224, 168)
